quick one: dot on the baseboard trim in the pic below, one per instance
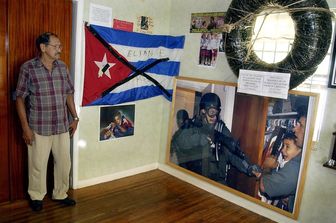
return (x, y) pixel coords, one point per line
(115, 176)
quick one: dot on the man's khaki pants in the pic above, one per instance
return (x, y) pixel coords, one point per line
(38, 155)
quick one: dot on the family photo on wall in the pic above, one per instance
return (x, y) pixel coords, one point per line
(207, 22)
(210, 45)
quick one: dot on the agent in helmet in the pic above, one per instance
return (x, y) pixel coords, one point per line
(210, 105)
(207, 147)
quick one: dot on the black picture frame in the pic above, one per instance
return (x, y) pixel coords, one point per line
(332, 74)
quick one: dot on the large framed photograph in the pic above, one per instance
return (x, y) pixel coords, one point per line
(253, 146)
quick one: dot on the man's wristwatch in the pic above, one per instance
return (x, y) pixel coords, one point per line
(76, 119)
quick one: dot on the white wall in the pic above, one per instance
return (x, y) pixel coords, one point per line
(180, 23)
(318, 202)
(99, 162)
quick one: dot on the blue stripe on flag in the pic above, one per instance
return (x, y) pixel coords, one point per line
(133, 94)
(169, 68)
(120, 37)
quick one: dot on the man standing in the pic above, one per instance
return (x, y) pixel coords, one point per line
(44, 94)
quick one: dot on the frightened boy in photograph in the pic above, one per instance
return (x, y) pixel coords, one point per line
(280, 183)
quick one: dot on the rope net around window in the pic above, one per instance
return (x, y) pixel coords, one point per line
(317, 80)
(310, 44)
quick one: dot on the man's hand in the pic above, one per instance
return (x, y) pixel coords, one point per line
(257, 174)
(73, 127)
(254, 170)
(28, 136)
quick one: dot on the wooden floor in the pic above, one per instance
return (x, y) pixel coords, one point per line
(153, 196)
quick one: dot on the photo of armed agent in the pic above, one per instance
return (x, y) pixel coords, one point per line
(207, 147)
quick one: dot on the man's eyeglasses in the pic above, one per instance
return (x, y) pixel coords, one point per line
(58, 47)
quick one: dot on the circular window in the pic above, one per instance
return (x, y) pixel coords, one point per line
(273, 36)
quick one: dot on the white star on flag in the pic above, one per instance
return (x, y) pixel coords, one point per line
(104, 67)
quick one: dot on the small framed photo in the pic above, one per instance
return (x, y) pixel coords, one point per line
(116, 122)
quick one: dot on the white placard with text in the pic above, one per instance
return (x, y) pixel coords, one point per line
(270, 84)
(100, 15)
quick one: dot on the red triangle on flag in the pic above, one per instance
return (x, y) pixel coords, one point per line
(102, 69)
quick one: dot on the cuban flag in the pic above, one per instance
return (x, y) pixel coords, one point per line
(114, 78)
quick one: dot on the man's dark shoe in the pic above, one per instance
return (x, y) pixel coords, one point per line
(67, 201)
(36, 205)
